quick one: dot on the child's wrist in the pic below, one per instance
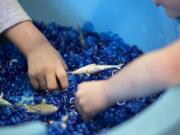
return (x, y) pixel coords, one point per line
(26, 37)
(34, 44)
(111, 92)
(107, 87)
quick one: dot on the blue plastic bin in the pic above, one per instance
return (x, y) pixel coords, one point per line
(137, 22)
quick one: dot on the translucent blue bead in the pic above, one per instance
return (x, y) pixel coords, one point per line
(88, 27)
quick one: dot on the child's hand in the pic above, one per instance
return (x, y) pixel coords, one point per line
(45, 65)
(46, 68)
(91, 98)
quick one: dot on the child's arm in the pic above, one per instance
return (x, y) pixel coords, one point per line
(45, 65)
(146, 75)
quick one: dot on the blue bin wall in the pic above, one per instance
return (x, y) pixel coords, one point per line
(137, 22)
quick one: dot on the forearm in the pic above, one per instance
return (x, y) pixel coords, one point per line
(146, 75)
(16, 25)
(25, 36)
(46, 68)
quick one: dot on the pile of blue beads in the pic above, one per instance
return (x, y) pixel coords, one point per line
(78, 47)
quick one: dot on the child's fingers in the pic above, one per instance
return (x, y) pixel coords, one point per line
(79, 108)
(82, 108)
(63, 62)
(34, 82)
(62, 77)
(77, 104)
(42, 82)
(86, 116)
(86, 112)
(51, 81)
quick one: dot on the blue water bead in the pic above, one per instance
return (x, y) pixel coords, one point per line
(104, 36)
(135, 106)
(76, 45)
(73, 87)
(135, 52)
(1, 64)
(65, 40)
(6, 110)
(90, 40)
(2, 123)
(73, 34)
(38, 99)
(73, 60)
(125, 59)
(73, 118)
(28, 92)
(13, 120)
(89, 52)
(7, 49)
(15, 67)
(108, 36)
(122, 114)
(110, 51)
(117, 39)
(52, 26)
(112, 36)
(17, 120)
(55, 129)
(124, 48)
(2, 79)
(51, 31)
(82, 62)
(108, 118)
(88, 27)
(17, 55)
(15, 99)
(39, 25)
(73, 78)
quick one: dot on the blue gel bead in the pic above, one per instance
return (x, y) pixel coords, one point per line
(88, 27)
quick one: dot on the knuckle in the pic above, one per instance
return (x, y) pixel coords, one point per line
(78, 94)
(37, 72)
(80, 86)
(31, 74)
(49, 68)
(63, 76)
(42, 70)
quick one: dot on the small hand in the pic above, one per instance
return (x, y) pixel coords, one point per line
(46, 67)
(91, 98)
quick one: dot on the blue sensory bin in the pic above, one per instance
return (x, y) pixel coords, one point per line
(138, 23)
